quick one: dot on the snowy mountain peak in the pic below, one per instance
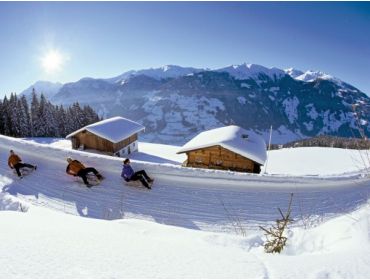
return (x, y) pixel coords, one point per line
(294, 73)
(47, 88)
(164, 72)
(311, 76)
(248, 70)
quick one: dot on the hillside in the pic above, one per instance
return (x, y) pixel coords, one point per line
(175, 103)
(185, 226)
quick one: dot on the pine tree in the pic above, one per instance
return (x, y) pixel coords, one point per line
(34, 114)
(6, 117)
(1, 118)
(61, 121)
(25, 122)
(42, 119)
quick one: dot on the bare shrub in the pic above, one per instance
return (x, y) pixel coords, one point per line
(234, 220)
(276, 241)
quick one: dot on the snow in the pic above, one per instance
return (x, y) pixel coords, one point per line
(113, 129)
(282, 135)
(316, 161)
(311, 76)
(291, 110)
(311, 111)
(293, 72)
(274, 89)
(242, 100)
(332, 123)
(245, 85)
(308, 125)
(301, 161)
(231, 138)
(48, 89)
(185, 226)
(164, 72)
(71, 247)
(245, 71)
(187, 110)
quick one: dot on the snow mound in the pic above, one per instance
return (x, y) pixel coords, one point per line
(9, 202)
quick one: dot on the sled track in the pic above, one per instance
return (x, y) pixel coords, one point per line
(196, 199)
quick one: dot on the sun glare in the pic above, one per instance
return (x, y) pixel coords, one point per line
(52, 61)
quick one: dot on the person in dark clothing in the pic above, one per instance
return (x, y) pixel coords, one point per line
(76, 168)
(14, 161)
(128, 174)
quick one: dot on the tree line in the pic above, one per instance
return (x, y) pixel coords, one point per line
(41, 118)
(327, 141)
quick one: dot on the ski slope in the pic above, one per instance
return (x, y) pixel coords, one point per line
(207, 200)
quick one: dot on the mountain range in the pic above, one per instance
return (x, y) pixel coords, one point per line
(175, 103)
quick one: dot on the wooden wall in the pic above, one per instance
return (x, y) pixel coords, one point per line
(217, 157)
(92, 141)
(120, 145)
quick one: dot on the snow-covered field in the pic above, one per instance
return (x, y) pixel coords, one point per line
(291, 161)
(192, 224)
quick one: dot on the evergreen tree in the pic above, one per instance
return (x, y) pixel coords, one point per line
(61, 119)
(42, 119)
(6, 117)
(1, 118)
(25, 122)
(34, 114)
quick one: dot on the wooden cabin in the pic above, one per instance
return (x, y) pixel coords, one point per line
(226, 148)
(115, 136)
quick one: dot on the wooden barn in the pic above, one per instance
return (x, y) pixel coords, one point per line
(116, 136)
(226, 148)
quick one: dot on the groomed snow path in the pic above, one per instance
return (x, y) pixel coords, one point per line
(197, 199)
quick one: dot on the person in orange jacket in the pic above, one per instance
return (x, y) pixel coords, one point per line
(76, 168)
(15, 162)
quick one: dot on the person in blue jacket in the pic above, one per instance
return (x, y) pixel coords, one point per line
(130, 175)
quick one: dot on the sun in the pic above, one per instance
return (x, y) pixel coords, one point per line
(52, 61)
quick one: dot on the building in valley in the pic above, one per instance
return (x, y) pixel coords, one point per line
(116, 136)
(226, 148)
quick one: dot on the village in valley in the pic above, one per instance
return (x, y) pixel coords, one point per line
(168, 171)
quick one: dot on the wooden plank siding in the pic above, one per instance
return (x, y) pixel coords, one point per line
(120, 145)
(217, 157)
(92, 141)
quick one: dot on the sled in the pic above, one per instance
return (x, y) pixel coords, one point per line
(24, 171)
(91, 178)
(136, 183)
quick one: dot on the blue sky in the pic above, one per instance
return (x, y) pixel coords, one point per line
(100, 39)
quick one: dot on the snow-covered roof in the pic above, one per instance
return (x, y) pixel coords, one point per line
(233, 138)
(113, 129)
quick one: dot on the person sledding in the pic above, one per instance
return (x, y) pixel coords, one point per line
(15, 162)
(128, 174)
(76, 168)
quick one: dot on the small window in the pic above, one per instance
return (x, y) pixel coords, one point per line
(245, 136)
